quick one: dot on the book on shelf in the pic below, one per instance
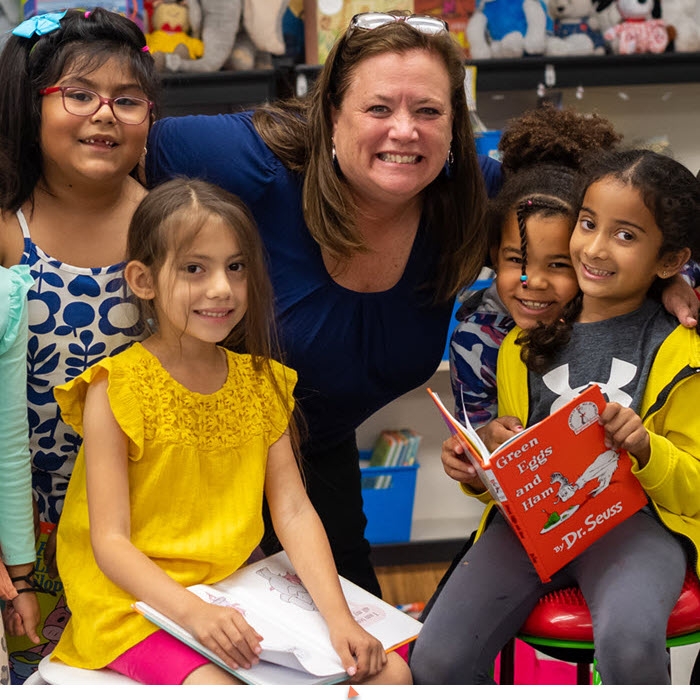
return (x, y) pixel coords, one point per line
(556, 482)
(296, 646)
(395, 448)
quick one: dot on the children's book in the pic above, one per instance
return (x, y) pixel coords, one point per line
(296, 646)
(556, 482)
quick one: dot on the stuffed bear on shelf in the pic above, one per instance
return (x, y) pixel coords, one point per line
(237, 35)
(637, 31)
(171, 31)
(681, 15)
(507, 29)
(573, 33)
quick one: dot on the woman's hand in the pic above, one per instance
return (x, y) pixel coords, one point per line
(457, 465)
(624, 431)
(680, 299)
(361, 654)
(497, 431)
(224, 631)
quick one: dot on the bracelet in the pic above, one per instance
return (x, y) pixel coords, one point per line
(33, 587)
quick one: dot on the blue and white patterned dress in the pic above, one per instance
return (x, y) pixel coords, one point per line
(77, 316)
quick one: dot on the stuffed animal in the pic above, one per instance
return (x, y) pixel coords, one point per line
(637, 32)
(171, 31)
(237, 35)
(507, 29)
(681, 15)
(572, 33)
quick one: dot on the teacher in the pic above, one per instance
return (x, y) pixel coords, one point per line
(370, 199)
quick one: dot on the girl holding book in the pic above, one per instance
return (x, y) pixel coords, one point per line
(181, 439)
(636, 228)
(542, 151)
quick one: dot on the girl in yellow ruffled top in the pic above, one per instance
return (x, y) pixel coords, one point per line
(182, 438)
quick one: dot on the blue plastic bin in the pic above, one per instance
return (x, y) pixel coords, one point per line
(388, 494)
(487, 143)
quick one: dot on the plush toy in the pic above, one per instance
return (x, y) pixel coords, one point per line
(237, 35)
(171, 30)
(637, 32)
(572, 31)
(681, 15)
(507, 29)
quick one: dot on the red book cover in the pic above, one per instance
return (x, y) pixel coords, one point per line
(556, 482)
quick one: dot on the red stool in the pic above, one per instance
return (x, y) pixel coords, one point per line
(560, 625)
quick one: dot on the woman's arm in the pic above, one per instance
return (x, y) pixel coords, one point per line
(16, 511)
(680, 299)
(302, 536)
(222, 630)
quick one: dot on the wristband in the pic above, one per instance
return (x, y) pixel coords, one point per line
(33, 586)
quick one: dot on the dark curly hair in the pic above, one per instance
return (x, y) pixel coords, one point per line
(670, 192)
(542, 153)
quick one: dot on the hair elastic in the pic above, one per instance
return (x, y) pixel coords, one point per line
(145, 49)
(87, 14)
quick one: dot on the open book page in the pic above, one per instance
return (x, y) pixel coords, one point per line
(474, 448)
(275, 603)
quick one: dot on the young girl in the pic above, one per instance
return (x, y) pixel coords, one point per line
(181, 439)
(76, 105)
(17, 553)
(542, 152)
(636, 228)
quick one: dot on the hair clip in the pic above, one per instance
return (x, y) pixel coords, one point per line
(145, 49)
(39, 25)
(87, 13)
(523, 281)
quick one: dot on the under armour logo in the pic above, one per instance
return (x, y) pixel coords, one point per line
(621, 374)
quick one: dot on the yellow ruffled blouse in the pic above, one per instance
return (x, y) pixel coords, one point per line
(196, 477)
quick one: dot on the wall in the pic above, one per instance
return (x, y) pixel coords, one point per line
(644, 114)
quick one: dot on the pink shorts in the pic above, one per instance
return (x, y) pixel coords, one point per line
(160, 659)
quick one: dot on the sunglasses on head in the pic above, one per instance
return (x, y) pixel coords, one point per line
(422, 23)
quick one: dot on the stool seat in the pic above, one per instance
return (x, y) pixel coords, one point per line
(563, 614)
(58, 673)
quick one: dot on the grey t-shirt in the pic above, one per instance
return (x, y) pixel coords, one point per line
(617, 354)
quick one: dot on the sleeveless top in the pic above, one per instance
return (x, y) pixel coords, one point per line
(77, 317)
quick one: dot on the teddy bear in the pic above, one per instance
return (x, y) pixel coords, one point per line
(637, 32)
(507, 29)
(681, 15)
(573, 33)
(237, 35)
(171, 31)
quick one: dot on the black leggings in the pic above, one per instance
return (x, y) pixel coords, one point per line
(333, 482)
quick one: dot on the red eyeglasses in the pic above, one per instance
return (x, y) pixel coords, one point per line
(81, 102)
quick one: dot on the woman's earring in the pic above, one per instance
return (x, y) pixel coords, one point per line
(448, 163)
(334, 157)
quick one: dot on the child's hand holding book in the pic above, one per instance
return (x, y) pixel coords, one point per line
(224, 631)
(361, 654)
(500, 429)
(458, 466)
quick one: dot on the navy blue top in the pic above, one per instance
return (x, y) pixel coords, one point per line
(354, 352)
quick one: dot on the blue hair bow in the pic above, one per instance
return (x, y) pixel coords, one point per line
(39, 25)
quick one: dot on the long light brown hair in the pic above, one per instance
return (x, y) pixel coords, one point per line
(299, 132)
(165, 224)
